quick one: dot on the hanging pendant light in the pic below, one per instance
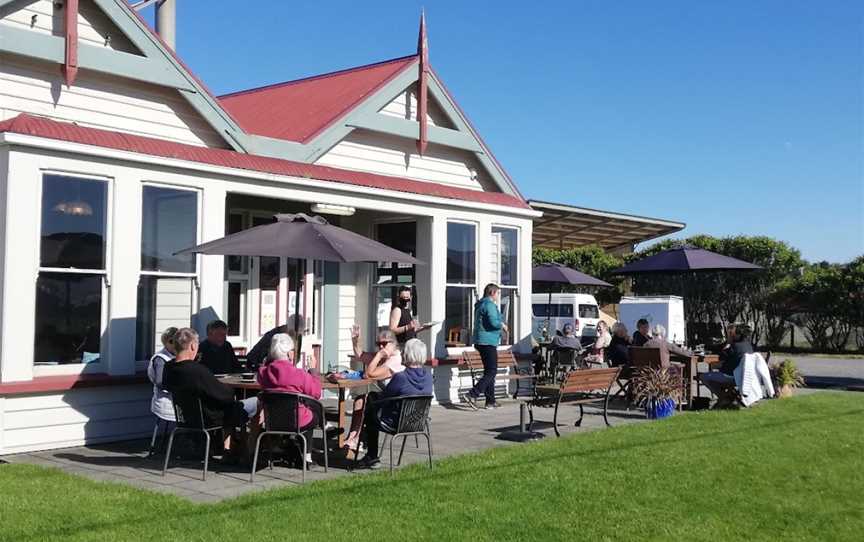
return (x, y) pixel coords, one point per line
(76, 207)
(73, 208)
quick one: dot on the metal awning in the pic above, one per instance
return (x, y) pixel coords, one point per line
(565, 226)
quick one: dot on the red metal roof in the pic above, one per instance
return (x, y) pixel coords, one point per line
(299, 110)
(42, 127)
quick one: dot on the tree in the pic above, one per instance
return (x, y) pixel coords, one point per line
(591, 260)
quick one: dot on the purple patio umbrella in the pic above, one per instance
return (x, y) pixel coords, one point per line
(302, 236)
(684, 260)
(556, 273)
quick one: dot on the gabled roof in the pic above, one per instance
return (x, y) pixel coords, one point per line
(42, 127)
(301, 109)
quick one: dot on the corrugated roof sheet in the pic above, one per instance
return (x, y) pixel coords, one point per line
(42, 127)
(299, 110)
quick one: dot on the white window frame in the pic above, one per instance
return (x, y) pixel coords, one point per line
(513, 333)
(195, 277)
(97, 366)
(465, 285)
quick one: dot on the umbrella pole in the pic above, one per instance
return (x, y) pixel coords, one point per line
(549, 313)
(297, 338)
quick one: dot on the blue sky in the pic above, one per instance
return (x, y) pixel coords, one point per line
(735, 117)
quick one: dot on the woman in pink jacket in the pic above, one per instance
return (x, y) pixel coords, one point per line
(280, 374)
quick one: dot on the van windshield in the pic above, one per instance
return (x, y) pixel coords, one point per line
(589, 311)
(555, 310)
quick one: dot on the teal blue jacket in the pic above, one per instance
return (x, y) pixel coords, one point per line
(487, 322)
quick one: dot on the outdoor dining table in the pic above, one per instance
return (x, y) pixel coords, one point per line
(691, 372)
(236, 382)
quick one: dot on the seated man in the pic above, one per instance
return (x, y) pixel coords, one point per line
(217, 354)
(282, 374)
(642, 334)
(381, 366)
(722, 383)
(258, 355)
(567, 339)
(187, 379)
(414, 380)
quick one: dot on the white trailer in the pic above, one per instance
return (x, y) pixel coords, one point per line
(667, 310)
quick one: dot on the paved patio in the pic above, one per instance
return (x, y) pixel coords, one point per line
(455, 430)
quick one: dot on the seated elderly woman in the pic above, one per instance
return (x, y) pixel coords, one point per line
(666, 348)
(414, 380)
(381, 366)
(281, 373)
(597, 350)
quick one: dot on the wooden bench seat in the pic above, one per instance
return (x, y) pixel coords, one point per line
(579, 387)
(506, 360)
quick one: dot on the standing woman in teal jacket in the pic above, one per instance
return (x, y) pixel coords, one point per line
(487, 336)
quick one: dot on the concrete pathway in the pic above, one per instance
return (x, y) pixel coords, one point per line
(455, 430)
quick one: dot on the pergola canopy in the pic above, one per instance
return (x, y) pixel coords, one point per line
(566, 226)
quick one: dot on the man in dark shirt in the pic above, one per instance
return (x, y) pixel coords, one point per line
(642, 334)
(188, 380)
(722, 382)
(217, 354)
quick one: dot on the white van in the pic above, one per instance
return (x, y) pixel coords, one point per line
(581, 310)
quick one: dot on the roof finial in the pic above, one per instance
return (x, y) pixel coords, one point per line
(422, 94)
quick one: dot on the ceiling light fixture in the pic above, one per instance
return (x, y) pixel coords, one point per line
(330, 209)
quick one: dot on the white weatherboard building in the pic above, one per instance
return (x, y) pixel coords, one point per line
(113, 156)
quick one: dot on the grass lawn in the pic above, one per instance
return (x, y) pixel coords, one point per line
(787, 470)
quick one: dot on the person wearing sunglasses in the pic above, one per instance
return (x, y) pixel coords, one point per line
(380, 366)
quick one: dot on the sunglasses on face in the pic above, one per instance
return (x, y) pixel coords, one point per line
(382, 344)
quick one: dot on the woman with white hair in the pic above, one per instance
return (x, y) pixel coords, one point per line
(666, 348)
(282, 374)
(414, 380)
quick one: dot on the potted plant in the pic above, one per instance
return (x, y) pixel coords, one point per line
(657, 391)
(786, 377)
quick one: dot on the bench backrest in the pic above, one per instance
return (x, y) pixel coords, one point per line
(589, 380)
(641, 356)
(472, 359)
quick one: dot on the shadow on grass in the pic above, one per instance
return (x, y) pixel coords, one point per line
(245, 505)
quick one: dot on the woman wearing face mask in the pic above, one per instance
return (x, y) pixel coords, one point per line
(402, 321)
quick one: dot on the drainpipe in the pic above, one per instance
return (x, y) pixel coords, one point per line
(166, 22)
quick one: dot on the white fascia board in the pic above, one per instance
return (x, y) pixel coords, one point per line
(126, 156)
(603, 214)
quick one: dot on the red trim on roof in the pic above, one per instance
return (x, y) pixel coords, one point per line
(300, 110)
(42, 127)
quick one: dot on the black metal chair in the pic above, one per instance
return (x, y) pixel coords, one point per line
(281, 417)
(189, 413)
(565, 361)
(413, 419)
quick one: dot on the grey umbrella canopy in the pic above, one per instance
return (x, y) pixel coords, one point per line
(302, 236)
(685, 259)
(561, 274)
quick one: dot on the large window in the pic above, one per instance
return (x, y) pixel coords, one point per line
(505, 273)
(166, 288)
(390, 276)
(70, 287)
(461, 282)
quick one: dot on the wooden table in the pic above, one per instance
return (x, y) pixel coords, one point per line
(691, 371)
(236, 382)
